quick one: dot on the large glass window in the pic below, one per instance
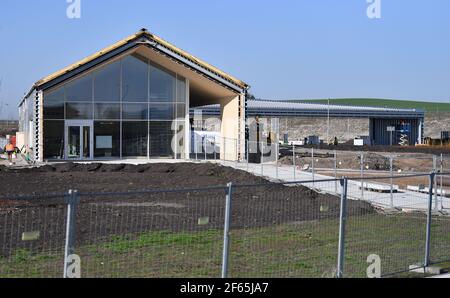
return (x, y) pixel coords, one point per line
(104, 111)
(134, 79)
(53, 139)
(75, 110)
(132, 103)
(106, 139)
(135, 111)
(178, 127)
(162, 85)
(107, 83)
(54, 104)
(181, 111)
(134, 138)
(80, 89)
(181, 89)
(161, 135)
(162, 111)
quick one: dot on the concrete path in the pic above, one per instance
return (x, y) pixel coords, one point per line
(446, 275)
(404, 199)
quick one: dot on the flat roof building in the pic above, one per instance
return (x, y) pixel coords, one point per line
(129, 100)
(409, 122)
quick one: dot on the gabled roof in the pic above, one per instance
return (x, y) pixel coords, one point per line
(149, 37)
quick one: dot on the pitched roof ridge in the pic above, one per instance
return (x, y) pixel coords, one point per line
(142, 32)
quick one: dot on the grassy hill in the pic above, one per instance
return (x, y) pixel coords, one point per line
(389, 103)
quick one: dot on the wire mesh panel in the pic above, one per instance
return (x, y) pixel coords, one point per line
(440, 224)
(287, 164)
(407, 193)
(413, 163)
(32, 237)
(283, 231)
(327, 186)
(157, 234)
(440, 239)
(391, 226)
(443, 181)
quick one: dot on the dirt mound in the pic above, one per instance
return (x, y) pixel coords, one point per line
(257, 206)
(345, 160)
(382, 148)
(60, 177)
(376, 161)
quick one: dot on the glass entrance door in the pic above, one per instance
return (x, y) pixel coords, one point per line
(74, 142)
(79, 140)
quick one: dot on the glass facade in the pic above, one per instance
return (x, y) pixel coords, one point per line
(54, 139)
(136, 107)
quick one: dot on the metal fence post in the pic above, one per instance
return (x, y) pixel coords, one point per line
(196, 147)
(237, 154)
(442, 191)
(435, 182)
(276, 159)
(224, 150)
(312, 164)
(72, 202)
(247, 153)
(335, 172)
(226, 230)
(262, 158)
(342, 221)
(362, 175)
(293, 158)
(428, 232)
(204, 147)
(391, 174)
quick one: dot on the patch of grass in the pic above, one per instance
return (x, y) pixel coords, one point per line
(308, 249)
(389, 103)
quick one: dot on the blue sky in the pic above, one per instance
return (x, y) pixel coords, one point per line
(295, 49)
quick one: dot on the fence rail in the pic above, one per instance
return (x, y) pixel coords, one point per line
(251, 230)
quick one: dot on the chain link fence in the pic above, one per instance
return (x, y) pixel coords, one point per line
(172, 233)
(321, 228)
(283, 231)
(32, 236)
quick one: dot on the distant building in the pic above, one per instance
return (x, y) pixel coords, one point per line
(379, 118)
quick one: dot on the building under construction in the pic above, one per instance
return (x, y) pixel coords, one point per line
(386, 125)
(129, 100)
(133, 98)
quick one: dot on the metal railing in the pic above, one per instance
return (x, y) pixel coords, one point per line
(292, 163)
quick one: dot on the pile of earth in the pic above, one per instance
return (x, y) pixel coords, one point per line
(103, 214)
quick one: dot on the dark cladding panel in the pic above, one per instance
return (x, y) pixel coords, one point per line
(381, 136)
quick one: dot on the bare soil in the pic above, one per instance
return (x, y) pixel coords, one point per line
(407, 162)
(101, 216)
(381, 148)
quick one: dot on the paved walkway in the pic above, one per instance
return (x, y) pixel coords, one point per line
(404, 199)
(446, 275)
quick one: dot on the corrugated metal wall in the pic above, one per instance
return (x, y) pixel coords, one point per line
(380, 136)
